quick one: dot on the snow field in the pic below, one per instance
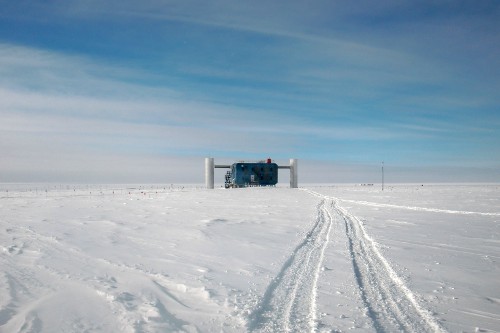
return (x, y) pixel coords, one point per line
(446, 251)
(325, 259)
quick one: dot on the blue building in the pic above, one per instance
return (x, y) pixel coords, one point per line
(244, 174)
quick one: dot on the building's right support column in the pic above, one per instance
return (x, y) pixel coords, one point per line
(209, 172)
(294, 183)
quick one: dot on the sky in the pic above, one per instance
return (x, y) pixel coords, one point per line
(142, 91)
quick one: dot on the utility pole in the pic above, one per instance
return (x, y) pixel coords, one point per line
(382, 175)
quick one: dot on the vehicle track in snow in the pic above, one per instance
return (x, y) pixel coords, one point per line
(390, 305)
(423, 209)
(289, 303)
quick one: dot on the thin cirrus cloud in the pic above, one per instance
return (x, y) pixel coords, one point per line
(331, 82)
(53, 123)
(55, 84)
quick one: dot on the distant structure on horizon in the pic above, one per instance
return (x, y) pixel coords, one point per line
(245, 174)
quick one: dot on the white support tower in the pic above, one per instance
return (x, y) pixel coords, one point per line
(209, 172)
(294, 179)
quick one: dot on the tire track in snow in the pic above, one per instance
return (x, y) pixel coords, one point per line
(423, 209)
(389, 303)
(289, 303)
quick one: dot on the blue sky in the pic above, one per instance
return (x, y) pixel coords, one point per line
(142, 91)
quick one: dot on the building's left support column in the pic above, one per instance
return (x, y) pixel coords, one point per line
(294, 173)
(209, 172)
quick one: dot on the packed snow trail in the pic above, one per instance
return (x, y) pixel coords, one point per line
(289, 303)
(389, 303)
(423, 209)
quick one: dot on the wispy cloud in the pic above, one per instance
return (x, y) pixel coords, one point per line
(191, 78)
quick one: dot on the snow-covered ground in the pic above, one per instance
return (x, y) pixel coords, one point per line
(410, 258)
